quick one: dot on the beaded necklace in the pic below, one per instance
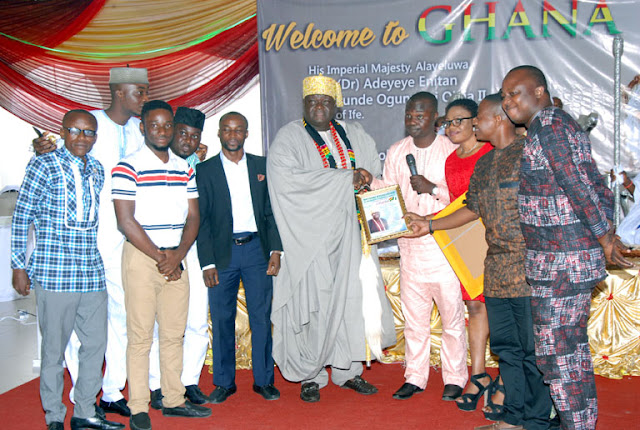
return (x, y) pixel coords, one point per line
(327, 158)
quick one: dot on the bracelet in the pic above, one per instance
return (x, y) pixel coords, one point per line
(430, 226)
(628, 186)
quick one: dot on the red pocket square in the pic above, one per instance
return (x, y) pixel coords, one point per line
(260, 178)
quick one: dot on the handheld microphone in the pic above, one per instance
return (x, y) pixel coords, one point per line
(411, 162)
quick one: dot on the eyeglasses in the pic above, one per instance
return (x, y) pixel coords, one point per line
(455, 122)
(74, 131)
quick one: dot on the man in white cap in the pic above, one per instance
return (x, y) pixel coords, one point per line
(119, 136)
(313, 167)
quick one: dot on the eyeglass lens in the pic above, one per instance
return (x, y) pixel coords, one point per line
(76, 132)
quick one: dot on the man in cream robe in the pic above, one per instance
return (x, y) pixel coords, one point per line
(317, 310)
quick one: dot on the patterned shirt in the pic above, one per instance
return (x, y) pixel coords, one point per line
(60, 196)
(493, 195)
(564, 204)
(160, 191)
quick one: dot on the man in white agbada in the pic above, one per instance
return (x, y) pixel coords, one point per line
(313, 167)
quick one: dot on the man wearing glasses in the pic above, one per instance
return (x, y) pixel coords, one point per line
(119, 136)
(60, 196)
(425, 274)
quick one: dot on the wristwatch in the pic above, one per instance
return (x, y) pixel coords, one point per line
(434, 191)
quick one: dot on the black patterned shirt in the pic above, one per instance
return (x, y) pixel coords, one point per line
(493, 195)
(564, 205)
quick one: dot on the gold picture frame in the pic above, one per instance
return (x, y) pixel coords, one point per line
(383, 213)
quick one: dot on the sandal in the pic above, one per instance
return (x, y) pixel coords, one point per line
(470, 401)
(497, 411)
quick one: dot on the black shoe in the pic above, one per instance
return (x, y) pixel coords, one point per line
(100, 412)
(156, 399)
(194, 395)
(189, 410)
(94, 423)
(470, 401)
(55, 425)
(120, 407)
(220, 394)
(451, 392)
(140, 421)
(310, 392)
(360, 386)
(495, 412)
(269, 392)
(406, 391)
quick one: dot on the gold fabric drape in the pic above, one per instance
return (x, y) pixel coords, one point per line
(614, 325)
(129, 29)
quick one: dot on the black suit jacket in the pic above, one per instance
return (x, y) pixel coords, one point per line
(216, 221)
(373, 228)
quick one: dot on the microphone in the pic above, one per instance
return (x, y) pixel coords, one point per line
(411, 162)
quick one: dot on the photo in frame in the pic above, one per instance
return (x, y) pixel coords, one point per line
(383, 213)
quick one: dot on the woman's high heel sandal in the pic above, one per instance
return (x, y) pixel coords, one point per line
(497, 411)
(470, 401)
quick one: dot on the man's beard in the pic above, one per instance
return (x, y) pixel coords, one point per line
(159, 148)
(238, 148)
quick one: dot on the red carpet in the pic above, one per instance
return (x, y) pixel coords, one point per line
(337, 409)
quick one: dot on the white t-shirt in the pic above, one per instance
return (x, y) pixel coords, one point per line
(160, 190)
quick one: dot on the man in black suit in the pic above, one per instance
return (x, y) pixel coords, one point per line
(238, 239)
(377, 224)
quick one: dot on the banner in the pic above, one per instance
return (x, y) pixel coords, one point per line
(383, 51)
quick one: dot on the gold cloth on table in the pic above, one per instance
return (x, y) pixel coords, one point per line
(614, 325)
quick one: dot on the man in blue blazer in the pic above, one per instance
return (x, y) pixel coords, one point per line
(238, 240)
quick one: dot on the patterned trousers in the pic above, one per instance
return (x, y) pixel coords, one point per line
(563, 356)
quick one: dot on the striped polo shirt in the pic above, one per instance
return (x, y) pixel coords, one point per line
(160, 190)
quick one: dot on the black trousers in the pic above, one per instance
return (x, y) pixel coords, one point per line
(527, 401)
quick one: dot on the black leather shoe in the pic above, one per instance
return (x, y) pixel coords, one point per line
(451, 392)
(100, 412)
(94, 423)
(140, 421)
(269, 392)
(310, 392)
(120, 407)
(360, 386)
(55, 425)
(194, 395)
(156, 399)
(220, 394)
(189, 410)
(406, 391)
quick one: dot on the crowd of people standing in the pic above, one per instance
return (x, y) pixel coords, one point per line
(132, 281)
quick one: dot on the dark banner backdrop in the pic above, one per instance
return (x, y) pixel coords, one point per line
(383, 51)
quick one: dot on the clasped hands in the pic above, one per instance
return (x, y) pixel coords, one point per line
(169, 264)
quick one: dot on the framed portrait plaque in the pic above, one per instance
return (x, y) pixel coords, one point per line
(383, 213)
